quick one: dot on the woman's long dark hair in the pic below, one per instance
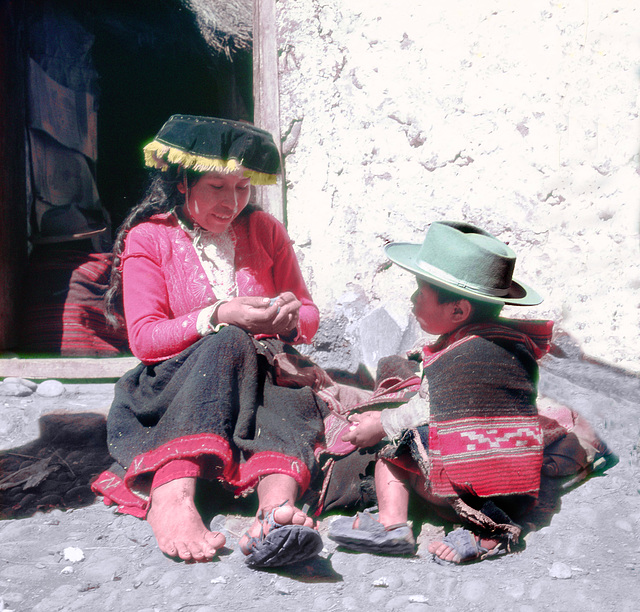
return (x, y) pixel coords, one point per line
(161, 196)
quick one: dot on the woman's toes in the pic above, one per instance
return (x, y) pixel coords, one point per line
(289, 515)
(284, 515)
(214, 540)
(169, 550)
(184, 553)
(303, 519)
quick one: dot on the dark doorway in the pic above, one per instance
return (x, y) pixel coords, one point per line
(101, 77)
(153, 62)
(141, 62)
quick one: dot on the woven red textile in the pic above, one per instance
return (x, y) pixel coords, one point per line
(63, 309)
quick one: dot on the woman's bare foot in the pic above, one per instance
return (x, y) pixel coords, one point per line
(177, 524)
(446, 552)
(283, 515)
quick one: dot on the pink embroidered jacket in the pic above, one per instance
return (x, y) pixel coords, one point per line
(165, 285)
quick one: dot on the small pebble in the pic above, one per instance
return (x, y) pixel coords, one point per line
(23, 381)
(73, 554)
(50, 388)
(12, 389)
(560, 571)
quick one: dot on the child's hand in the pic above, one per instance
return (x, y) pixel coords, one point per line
(366, 429)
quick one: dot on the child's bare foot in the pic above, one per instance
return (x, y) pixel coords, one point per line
(177, 524)
(461, 546)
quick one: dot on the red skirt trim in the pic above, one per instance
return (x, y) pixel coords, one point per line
(185, 457)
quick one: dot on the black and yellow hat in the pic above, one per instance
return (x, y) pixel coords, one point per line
(207, 144)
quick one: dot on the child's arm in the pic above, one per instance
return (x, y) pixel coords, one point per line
(395, 421)
(371, 427)
(366, 429)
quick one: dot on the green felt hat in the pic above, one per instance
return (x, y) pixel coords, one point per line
(466, 260)
(207, 144)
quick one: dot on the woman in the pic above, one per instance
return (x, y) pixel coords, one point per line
(211, 290)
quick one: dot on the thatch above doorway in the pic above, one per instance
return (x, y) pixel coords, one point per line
(225, 24)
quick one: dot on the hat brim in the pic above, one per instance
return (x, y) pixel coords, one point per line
(405, 255)
(160, 155)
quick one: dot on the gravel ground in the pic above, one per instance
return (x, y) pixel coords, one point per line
(70, 552)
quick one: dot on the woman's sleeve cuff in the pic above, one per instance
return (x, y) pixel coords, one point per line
(207, 321)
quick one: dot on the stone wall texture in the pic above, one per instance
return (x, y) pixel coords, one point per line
(518, 116)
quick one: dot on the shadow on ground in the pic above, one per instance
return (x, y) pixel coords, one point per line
(54, 471)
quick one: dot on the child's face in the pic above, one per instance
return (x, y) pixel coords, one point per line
(216, 199)
(434, 318)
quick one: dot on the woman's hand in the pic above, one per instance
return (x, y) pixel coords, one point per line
(287, 313)
(262, 315)
(366, 429)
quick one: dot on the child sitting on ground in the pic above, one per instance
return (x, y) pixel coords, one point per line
(470, 441)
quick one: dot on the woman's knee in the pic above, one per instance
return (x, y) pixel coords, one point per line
(229, 340)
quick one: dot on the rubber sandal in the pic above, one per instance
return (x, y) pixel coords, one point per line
(282, 544)
(467, 548)
(371, 536)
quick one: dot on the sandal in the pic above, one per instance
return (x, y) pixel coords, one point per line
(371, 536)
(467, 548)
(281, 544)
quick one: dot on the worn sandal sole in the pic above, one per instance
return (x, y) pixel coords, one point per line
(398, 541)
(284, 546)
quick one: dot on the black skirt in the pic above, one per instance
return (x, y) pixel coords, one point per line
(217, 403)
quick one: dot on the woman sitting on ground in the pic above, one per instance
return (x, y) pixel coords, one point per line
(211, 288)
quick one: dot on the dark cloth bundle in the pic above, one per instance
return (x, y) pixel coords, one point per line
(216, 400)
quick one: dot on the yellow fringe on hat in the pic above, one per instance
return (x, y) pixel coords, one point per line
(160, 156)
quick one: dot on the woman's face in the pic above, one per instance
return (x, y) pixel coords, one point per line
(216, 199)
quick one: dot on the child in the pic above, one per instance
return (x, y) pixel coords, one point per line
(469, 442)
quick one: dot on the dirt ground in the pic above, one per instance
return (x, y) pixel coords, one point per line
(63, 550)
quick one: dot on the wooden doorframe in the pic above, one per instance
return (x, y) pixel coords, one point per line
(266, 94)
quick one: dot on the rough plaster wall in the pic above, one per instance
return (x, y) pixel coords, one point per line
(518, 116)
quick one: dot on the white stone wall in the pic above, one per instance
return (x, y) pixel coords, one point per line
(517, 116)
